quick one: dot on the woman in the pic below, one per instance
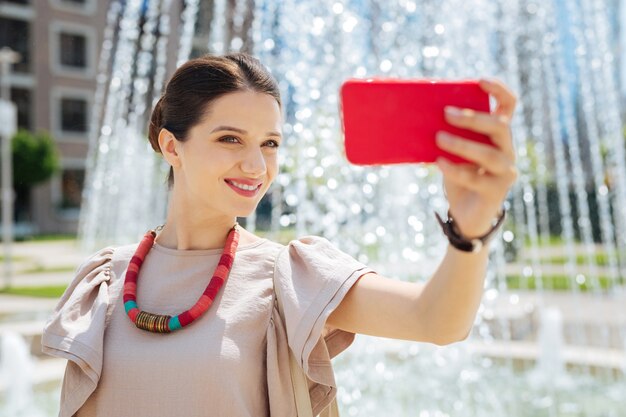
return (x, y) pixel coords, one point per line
(218, 124)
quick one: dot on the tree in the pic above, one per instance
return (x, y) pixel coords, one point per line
(35, 160)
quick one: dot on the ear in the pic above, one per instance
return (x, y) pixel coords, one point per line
(169, 148)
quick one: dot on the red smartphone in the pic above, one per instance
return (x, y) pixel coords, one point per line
(394, 121)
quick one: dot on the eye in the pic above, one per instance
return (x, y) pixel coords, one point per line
(274, 143)
(227, 139)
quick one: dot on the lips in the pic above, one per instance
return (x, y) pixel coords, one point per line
(236, 184)
(244, 181)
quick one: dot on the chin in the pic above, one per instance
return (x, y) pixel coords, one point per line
(245, 210)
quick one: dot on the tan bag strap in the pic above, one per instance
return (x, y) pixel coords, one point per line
(299, 380)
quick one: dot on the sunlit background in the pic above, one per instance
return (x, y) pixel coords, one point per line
(550, 336)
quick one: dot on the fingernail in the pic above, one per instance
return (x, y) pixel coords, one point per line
(453, 111)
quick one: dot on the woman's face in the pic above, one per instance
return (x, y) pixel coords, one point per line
(230, 158)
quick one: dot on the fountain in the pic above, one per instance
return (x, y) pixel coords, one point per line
(550, 340)
(16, 377)
(553, 306)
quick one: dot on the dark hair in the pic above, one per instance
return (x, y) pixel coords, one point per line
(197, 83)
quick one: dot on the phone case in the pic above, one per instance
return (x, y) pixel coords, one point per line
(392, 121)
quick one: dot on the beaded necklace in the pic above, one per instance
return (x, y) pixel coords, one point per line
(159, 323)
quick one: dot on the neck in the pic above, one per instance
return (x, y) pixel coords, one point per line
(189, 229)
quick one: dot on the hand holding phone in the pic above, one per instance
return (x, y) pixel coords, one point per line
(393, 121)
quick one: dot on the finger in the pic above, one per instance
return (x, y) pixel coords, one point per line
(492, 160)
(505, 98)
(466, 175)
(496, 126)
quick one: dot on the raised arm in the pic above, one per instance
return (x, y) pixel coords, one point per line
(443, 309)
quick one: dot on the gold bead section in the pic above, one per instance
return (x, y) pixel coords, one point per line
(155, 323)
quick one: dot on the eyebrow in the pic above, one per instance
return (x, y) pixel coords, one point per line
(243, 132)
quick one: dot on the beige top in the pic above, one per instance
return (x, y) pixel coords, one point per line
(232, 361)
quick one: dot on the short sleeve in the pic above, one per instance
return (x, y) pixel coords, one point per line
(75, 330)
(314, 277)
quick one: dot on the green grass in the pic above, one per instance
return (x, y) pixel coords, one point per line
(553, 240)
(51, 291)
(49, 237)
(13, 258)
(555, 282)
(601, 259)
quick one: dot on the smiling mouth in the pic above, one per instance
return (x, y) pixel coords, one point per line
(243, 187)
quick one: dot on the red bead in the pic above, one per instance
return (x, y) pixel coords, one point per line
(133, 314)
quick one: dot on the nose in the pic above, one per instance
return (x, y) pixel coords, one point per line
(254, 163)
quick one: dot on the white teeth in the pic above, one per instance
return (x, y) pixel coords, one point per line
(243, 186)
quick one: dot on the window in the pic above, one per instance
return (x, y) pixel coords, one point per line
(16, 35)
(70, 114)
(72, 182)
(23, 101)
(74, 115)
(73, 50)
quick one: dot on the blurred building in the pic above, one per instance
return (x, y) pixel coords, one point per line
(53, 87)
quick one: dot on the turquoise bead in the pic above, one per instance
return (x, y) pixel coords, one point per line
(174, 324)
(129, 305)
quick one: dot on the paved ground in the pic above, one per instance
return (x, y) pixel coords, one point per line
(38, 263)
(48, 253)
(14, 304)
(59, 258)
